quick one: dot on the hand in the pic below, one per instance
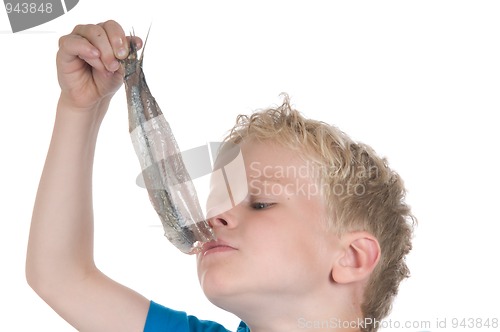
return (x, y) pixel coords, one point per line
(88, 63)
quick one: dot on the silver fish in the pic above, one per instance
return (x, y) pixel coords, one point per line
(169, 185)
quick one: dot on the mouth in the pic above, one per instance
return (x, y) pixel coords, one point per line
(215, 247)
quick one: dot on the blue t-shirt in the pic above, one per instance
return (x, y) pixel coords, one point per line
(162, 319)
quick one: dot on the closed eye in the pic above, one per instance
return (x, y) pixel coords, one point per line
(261, 206)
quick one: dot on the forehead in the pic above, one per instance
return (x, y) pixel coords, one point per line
(257, 167)
(268, 160)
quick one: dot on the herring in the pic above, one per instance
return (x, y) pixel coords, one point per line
(169, 185)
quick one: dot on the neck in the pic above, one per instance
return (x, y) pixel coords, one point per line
(315, 312)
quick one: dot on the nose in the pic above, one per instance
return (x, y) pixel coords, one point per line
(222, 216)
(218, 221)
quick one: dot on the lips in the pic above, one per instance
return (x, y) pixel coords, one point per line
(216, 246)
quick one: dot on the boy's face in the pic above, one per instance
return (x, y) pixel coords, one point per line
(274, 245)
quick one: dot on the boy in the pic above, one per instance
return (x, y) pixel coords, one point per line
(319, 241)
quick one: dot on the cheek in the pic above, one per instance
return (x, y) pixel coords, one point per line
(295, 241)
(283, 244)
(288, 262)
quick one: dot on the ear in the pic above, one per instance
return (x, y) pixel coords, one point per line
(360, 255)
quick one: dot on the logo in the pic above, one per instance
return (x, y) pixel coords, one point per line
(26, 14)
(222, 162)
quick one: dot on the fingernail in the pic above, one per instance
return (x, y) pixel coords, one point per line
(113, 66)
(121, 53)
(94, 52)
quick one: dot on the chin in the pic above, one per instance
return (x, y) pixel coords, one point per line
(214, 284)
(220, 289)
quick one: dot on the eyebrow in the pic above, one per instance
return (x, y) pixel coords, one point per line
(268, 179)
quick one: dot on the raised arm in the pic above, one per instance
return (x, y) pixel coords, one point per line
(60, 265)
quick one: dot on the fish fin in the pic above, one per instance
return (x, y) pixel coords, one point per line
(145, 41)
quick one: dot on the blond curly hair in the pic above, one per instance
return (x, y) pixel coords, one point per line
(363, 193)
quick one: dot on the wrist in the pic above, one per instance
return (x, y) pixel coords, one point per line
(78, 127)
(90, 116)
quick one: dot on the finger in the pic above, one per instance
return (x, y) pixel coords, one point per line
(97, 36)
(117, 38)
(136, 40)
(72, 47)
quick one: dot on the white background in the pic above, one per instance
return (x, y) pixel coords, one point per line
(419, 81)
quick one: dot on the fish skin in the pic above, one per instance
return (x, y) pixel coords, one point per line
(162, 164)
